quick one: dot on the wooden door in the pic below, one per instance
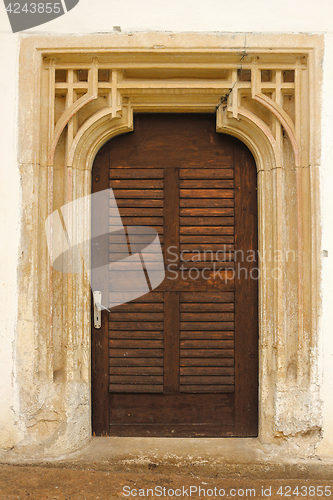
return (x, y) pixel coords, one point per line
(182, 360)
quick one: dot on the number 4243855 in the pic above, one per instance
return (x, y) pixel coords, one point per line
(33, 8)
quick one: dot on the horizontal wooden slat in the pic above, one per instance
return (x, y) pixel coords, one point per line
(209, 202)
(206, 388)
(209, 325)
(205, 184)
(207, 353)
(135, 344)
(206, 379)
(207, 255)
(152, 370)
(136, 173)
(206, 344)
(150, 297)
(136, 362)
(145, 212)
(206, 221)
(138, 379)
(135, 325)
(206, 316)
(207, 334)
(205, 193)
(135, 334)
(207, 297)
(135, 388)
(208, 230)
(136, 353)
(138, 221)
(229, 306)
(140, 184)
(199, 362)
(210, 212)
(136, 316)
(206, 370)
(130, 202)
(140, 307)
(214, 266)
(208, 173)
(207, 240)
(222, 248)
(138, 193)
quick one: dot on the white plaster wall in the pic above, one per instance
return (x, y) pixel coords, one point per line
(156, 15)
(326, 339)
(9, 234)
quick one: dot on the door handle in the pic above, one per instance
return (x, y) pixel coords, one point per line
(97, 300)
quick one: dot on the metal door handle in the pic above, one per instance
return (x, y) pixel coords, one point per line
(97, 298)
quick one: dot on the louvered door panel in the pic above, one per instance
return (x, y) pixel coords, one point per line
(136, 329)
(207, 249)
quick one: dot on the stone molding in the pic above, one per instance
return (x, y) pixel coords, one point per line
(78, 92)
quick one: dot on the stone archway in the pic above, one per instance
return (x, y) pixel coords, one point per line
(76, 100)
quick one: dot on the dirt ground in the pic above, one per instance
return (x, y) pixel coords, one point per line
(40, 482)
(153, 468)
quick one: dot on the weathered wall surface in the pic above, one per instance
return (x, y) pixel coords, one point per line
(101, 16)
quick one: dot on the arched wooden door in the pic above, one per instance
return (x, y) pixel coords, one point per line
(183, 359)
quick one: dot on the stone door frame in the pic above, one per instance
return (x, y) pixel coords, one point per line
(76, 92)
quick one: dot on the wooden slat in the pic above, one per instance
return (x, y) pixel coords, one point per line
(136, 362)
(219, 211)
(130, 202)
(205, 184)
(214, 266)
(208, 230)
(207, 370)
(136, 353)
(143, 212)
(196, 388)
(136, 316)
(135, 344)
(207, 353)
(207, 334)
(199, 362)
(140, 307)
(206, 193)
(222, 307)
(207, 297)
(208, 173)
(206, 379)
(139, 221)
(209, 202)
(209, 247)
(206, 316)
(135, 334)
(151, 370)
(139, 183)
(138, 379)
(135, 388)
(138, 193)
(207, 221)
(136, 173)
(213, 325)
(135, 325)
(207, 256)
(206, 344)
(207, 240)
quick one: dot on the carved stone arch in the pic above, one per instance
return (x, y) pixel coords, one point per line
(254, 133)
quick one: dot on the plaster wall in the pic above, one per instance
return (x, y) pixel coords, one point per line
(91, 17)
